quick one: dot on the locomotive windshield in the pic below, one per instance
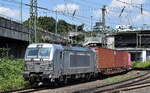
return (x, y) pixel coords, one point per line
(38, 53)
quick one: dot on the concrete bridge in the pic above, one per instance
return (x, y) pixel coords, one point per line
(15, 37)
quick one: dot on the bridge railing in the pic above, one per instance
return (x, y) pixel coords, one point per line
(52, 37)
(16, 30)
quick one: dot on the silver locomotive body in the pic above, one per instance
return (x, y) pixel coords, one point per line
(58, 63)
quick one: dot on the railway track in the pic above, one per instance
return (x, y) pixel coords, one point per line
(131, 87)
(125, 87)
(142, 79)
(25, 90)
(139, 81)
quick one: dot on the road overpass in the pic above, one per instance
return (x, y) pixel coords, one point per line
(16, 37)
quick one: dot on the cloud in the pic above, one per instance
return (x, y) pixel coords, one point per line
(130, 13)
(98, 13)
(9, 12)
(118, 5)
(143, 17)
(127, 4)
(66, 8)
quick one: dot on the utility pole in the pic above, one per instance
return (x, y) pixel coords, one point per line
(21, 11)
(104, 27)
(91, 24)
(33, 17)
(56, 23)
(103, 15)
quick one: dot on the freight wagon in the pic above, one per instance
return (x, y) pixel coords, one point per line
(112, 61)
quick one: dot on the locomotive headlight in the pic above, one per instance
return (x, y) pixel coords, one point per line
(50, 76)
(30, 66)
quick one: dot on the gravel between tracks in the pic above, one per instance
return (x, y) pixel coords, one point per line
(92, 84)
(140, 90)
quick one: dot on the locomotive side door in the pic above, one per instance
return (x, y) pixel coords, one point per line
(65, 64)
(58, 64)
(61, 62)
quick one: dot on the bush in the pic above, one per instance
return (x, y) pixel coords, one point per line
(141, 64)
(11, 74)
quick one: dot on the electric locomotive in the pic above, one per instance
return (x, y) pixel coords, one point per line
(53, 63)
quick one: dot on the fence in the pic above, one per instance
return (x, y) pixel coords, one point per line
(4, 52)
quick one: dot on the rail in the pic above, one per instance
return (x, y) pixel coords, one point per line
(98, 88)
(113, 86)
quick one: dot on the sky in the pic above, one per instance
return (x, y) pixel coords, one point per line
(134, 12)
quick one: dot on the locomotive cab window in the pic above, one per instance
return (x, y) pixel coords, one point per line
(44, 52)
(38, 52)
(32, 53)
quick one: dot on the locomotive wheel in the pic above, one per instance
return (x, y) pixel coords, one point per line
(33, 83)
(88, 77)
(65, 81)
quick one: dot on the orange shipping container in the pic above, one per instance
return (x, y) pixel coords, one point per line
(107, 58)
(129, 59)
(121, 59)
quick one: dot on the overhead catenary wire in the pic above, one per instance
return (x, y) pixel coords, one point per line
(122, 20)
(5, 5)
(92, 3)
(111, 21)
(46, 9)
(91, 7)
(122, 11)
(83, 4)
(78, 18)
(139, 7)
(61, 13)
(66, 7)
(88, 8)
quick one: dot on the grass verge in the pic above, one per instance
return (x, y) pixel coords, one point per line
(141, 64)
(11, 74)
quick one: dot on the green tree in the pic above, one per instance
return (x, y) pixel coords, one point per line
(80, 27)
(48, 23)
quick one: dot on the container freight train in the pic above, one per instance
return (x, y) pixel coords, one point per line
(56, 63)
